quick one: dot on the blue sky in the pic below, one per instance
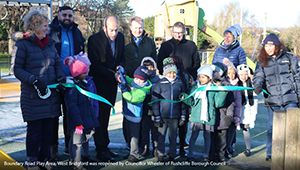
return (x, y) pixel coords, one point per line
(280, 13)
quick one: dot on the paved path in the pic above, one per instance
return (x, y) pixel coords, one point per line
(13, 135)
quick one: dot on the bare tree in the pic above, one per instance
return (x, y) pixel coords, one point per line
(291, 38)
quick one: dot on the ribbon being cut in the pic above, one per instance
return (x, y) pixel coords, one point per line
(210, 88)
(87, 93)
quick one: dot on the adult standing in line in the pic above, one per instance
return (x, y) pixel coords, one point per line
(106, 52)
(140, 46)
(277, 72)
(230, 48)
(185, 49)
(68, 42)
(36, 64)
(188, 52)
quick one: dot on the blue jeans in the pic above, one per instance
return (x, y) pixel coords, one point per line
(270, 125)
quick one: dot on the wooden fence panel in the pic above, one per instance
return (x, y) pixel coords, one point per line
(278, 140)
(291, 138)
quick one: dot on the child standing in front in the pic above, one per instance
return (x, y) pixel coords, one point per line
(81, 115)
(146, 122)
(134, 93)
(249, 102)
(204, 104)
(167, 114)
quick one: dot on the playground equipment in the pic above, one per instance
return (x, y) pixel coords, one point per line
(191, 15)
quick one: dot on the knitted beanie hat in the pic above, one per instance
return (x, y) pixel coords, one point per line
(218, 67)
(236, 30)
(83, 58)
(272, 39)
(206, 70)
(141, 72)
(169, 66)
(229, 64)
(243, 67)
(76, 67)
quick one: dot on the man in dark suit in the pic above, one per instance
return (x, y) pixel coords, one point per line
(106, 52)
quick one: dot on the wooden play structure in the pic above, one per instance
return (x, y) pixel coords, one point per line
(192, 16)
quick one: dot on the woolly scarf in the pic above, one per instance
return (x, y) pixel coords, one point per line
(42, 43)
(202, 95)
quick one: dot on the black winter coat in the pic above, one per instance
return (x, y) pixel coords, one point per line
(55, 34)
(103, 64)
(30, 63)
(277, 78)
(185, 49)
(169, 91)
(79, 107)
(134, 55)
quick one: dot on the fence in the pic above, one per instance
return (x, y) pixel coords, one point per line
(286, 140)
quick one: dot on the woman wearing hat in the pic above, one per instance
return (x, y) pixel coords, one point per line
(277, 72)
(230, 48)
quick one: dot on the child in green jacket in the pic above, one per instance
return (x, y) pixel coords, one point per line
(204, 104)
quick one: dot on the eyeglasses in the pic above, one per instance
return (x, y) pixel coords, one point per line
(178, 33)
(65, 15)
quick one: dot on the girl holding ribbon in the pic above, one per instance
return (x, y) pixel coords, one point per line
(81, 114)
(204, 104)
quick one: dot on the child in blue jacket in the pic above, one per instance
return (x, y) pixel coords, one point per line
(81, 115)
(168, 114)
(134, 93)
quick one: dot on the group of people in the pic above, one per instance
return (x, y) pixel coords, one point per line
(159, 91)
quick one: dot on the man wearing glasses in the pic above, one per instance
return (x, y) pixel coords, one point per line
(185, 49)
(68, 42)
(188, 52)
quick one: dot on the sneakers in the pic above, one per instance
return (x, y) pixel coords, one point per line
(247, 152)
(54, 152)
(132, 158)
(268, 158)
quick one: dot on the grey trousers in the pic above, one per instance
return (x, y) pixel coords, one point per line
(172, 124)
(133, 136)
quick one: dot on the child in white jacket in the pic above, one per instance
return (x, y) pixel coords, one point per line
(249, 102)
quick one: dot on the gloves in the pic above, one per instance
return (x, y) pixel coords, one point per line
(79, 129)
(40, 87)
(60, 88)
(182, 120)
(258, 89)
(158, 122)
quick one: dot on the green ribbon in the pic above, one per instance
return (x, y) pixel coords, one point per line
(84, 92)
(210, 88)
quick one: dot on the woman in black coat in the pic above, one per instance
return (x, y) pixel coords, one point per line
(278, 73)
(36, 64)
